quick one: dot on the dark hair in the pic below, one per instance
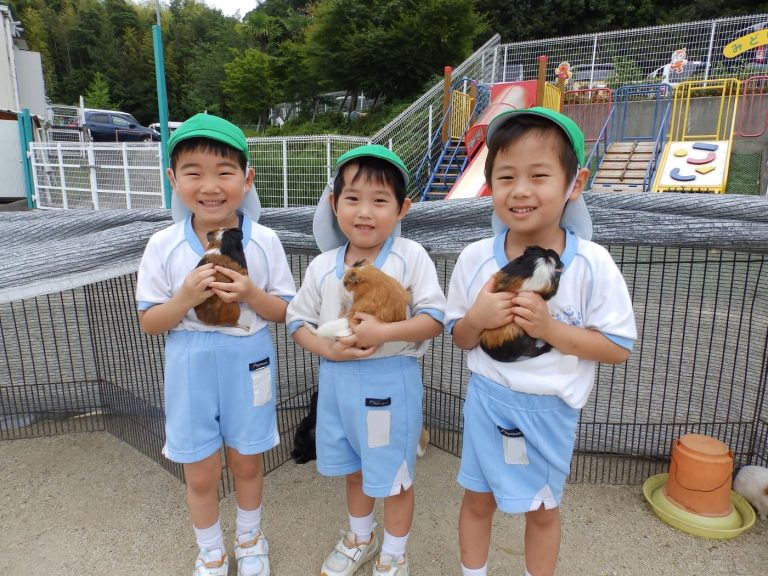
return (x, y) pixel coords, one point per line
(374, 170)
(208, 146)
(515, 128)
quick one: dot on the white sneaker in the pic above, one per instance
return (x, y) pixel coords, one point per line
(388, 566)
(252, 554)
(348, 555)
(213, 562)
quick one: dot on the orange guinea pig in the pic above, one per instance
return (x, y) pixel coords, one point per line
(225, 249)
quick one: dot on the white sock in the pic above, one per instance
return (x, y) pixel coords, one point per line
(475, 571)
(248, 520)
(394, 545)
(361, 527)
(527, 573)
(211, 537)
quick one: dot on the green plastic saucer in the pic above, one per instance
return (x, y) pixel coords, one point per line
(723, 528)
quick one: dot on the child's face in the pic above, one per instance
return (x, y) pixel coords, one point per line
(367, 212)
(211, 186)
(529, 187)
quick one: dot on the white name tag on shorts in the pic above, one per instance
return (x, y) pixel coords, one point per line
(261, 381)
(378, 422)
(514, 446)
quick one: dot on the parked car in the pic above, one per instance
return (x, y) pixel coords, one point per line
(116, 126)
(754, 60)
(586, 76)
(171, 127)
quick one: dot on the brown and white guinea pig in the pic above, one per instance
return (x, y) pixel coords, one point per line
(373, 292)
(225, 249)
(752, 483)
(537, 270)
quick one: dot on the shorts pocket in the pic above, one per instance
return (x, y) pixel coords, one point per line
(513, 442)
(261, 381)
(378, 421)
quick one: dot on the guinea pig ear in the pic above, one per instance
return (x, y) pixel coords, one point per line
(360, 263)
(237, 234)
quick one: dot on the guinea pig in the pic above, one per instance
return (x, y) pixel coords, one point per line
(537, 270)
(225, 248)
(752, 483)
(372, 291)
(304, 449)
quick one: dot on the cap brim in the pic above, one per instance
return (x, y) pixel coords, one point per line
(575, 218)
(251, 206)
(326, 229)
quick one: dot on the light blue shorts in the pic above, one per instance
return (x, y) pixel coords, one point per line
(369, 418)
(516, 445)
(219, 388)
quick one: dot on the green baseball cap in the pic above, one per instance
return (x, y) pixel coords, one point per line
(571, 129)
(575, 216)
(375, 150)
(326, 230)
(209, 126)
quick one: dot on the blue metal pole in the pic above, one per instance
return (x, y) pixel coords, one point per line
(25, 137)
(162, 104)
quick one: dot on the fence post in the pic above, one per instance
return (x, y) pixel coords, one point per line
(328, 157)
(709, 52)
(493, 67)
(504, 65)
(285, 173)
(94, 180)
(62, 177)
(126, 177)
(25, 138)
(592, 69)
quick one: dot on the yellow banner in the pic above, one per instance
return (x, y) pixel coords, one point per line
(741, 45)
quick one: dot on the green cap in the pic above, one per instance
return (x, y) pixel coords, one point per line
(571, 129)
(209, 126)
(376, 151)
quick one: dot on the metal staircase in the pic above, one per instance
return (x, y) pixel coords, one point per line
(624, 157)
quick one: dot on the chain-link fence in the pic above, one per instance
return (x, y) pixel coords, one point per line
(74, 357)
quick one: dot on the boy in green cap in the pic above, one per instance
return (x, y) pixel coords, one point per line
(370, 389)
(520, 416)
(219, 380)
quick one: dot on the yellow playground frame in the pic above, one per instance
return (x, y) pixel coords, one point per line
(682, 137)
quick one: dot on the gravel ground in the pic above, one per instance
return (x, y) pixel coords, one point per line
(88, 504)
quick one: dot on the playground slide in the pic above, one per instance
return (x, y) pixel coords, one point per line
(693, 166)
(471, 183)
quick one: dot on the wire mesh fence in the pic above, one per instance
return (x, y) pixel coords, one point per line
(77, 360)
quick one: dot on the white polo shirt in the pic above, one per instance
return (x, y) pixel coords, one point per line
(321, 297)
(592, 294)
(172, 253)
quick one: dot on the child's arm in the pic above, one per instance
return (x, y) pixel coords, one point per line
(195, 290)
(490, 310)
(532, 315)
(335, 350)
(242, 289)
(373, 332)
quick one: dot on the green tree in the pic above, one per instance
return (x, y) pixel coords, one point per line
(355, 45)
(97, 95)
(248, 87)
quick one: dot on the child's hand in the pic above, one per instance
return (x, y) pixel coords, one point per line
(346, 349)
(491, 310)
(196, 287)
(532, 315)
(235, 291)
(369, 332)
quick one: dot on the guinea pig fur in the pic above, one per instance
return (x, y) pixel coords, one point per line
(225, 249)
(751, 482)
(537, 270)
(372, 291)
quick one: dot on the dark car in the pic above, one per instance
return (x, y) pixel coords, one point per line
(114, 126)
